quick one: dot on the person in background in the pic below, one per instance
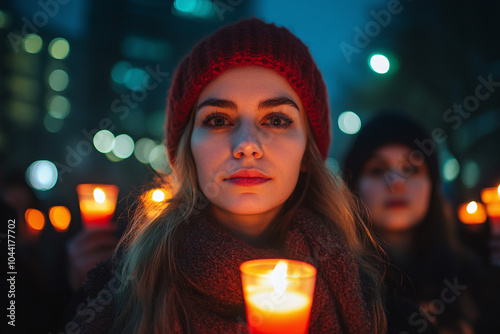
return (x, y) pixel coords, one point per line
(393, 167)
(248, 132)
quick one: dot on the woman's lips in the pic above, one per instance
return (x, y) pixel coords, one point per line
(396, 203)
(247, 181)
(248, 177)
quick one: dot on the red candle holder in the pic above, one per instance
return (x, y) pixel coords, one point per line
(278, 295)
(97, 204)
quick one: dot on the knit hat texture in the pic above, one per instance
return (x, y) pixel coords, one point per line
(248, 42)
(387, 127)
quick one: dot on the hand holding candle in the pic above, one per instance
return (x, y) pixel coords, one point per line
(97, 203)
(278, 295)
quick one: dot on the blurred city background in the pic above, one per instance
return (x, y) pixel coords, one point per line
(83, 87)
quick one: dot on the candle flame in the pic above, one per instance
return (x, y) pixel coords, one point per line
(498, 190)
(99, 195)
(278, 277)
(472, 207)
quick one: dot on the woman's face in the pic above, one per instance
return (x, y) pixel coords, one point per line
(395, 187)
(248, 141)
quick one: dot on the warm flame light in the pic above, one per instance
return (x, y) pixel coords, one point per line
(158, 195)
(490, 195)
(278, 277)
(60, 217)
(99, 195)
(97, 204)
(35, 219)
(472, 213)
(472, 207)
(278, 295)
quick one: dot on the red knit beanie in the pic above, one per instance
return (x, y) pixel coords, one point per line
(248, 42)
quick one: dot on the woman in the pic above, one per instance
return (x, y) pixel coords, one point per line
(248, 132)
(393, 167)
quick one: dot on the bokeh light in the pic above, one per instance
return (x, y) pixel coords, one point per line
(124, 146)
(104, 141)
(134, 78)
(59, 106)
(197, 8)
(451, 169)
(112, 157)
(32, 43)
(60, 217)
(59, 48)
(4, 19)
(143, 149)
(53, 125)
(42, 175)
(58, 80)
(185, 6)
(379, 63)
(472, 207)
(470, 174)
(158, 159)
(333, 165)
(158, 195)
(119, 70)
(349, 122)
(35, 219)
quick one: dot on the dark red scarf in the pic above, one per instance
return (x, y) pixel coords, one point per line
(209, 256)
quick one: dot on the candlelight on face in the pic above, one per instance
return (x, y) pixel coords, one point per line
(278, 295)
(97, 203)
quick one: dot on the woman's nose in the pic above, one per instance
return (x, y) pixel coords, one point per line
(395, 182)
(246, 142)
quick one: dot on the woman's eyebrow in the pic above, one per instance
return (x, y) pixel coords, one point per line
(270, 103)
(266, 104)
(223, 104)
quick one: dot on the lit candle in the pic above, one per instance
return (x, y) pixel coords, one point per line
(278, 295)
(490, 195)
(473, 215)
(97, 203)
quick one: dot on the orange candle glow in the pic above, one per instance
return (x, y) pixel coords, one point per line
(472, 213)
(35, 219)
(97, 203)
(278, 295)
(490, 195)
(60, 217)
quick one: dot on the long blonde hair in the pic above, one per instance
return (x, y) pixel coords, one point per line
(148, 300)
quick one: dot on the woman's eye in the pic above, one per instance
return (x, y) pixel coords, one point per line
(216, 120)
(279, 120)
(375, 171)
(275, 121)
